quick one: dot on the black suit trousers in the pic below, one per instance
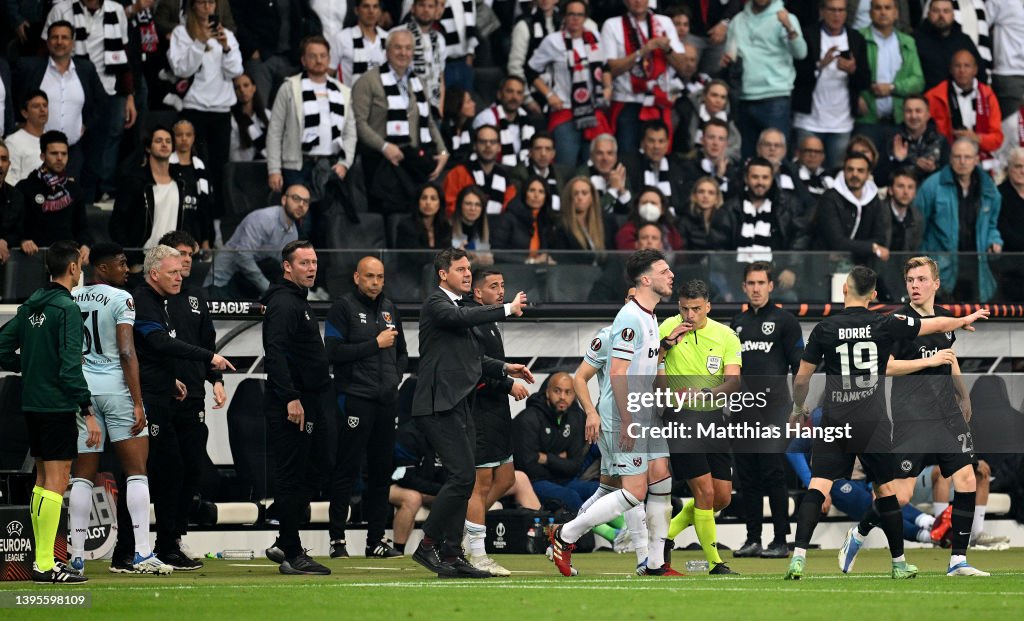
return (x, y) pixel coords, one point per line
(452, 435)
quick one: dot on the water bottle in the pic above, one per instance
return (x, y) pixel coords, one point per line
(233, 555)
(532, 537)
(697, 567)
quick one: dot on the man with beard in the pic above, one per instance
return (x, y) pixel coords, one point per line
(366, 344)
(248, 249)
(772, 146)
(508, 115)
(541, 162)
(939, 37)
(903, 222)
(850, 217)
(484, 171)
(608, 174)
(760, 221)
(495, 472)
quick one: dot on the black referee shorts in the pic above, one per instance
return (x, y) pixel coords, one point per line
(692, 465)
(52, 436)
(879, 468)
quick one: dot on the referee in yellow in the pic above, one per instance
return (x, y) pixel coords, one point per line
(702, 363)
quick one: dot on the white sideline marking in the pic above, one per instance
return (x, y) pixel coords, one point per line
(252, 565)
(384, 568)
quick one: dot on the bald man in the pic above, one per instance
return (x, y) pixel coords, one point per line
(962, 106)
(366, 345)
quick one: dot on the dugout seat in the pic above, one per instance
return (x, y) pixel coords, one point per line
(245, 189)
(247, 438)
(366, 235)
(996, 426)
(23, 274)
(13, 430)
(570, 283)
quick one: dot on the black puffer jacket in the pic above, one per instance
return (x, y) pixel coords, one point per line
(361, 367)
(539, 429)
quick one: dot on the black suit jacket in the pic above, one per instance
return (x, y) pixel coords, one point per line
(29, 77)
(637, 164)
(451, 359)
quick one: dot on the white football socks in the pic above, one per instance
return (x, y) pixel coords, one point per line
(79, 510)
(636, 522)
(604, 510)
(602, 490)
(659, 506)
(137, 497)
(477, 536)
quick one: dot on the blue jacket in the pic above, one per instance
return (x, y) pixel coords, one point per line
(938, 202)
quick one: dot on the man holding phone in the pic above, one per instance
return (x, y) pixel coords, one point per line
(366, 345)
(829, 81)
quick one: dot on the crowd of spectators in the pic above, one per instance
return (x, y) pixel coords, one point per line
(572, 124)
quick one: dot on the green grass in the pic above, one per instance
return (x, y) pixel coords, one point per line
(400, 589)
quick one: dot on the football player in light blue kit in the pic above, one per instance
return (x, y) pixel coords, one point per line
(112, 372)
(641, 464)
(595, 363)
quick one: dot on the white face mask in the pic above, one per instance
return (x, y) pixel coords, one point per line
(649, 212)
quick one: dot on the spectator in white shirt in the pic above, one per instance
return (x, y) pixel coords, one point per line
(24, 143)
(202, 49)
(93, 21)
(1007, 19)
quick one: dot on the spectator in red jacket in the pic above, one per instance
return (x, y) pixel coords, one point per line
(963, 106)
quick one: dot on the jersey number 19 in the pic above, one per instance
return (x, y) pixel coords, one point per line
(863, 357)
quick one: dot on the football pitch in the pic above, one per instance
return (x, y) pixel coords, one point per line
(400, 589)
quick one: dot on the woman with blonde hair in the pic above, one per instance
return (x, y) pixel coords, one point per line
(705, 199)
(582, 224)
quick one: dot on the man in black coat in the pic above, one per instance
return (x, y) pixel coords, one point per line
(270, 58)
(551, 445)
(495, 474)
(366, 344)
(761, 203)
(939, 37)
(850, 217)
(825, 67)
(656, 167)
(298, 375)
(451, 365)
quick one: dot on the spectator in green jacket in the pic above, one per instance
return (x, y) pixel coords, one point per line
(895, 73)
(47, 331)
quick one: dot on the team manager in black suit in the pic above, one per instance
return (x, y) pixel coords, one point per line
(451, 364)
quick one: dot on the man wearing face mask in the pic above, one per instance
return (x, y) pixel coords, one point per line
(653, 166)
(760, 221)
(270, 227)
(713, 160)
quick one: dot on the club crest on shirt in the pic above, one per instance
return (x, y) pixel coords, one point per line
(638, 461)
(309, 428)
(154, 430)
(193, 301)
(627, 334)
(768, 327)
(949, 336)
(37, 320)
(595, 345)
(565, 432)
(739, 329)
(353, 421)
(714, 364)
(387, 316)
(906, 465)
(130, 303)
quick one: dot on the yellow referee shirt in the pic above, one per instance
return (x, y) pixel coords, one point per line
(699, 359)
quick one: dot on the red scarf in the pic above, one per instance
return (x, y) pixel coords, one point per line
(644, 75)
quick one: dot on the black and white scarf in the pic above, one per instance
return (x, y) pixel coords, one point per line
(973, 17)
(703, 116)
(552, 181)
(816, 181)
(255, 130)
(601, 185)
(435, 68)
(363, 58)
(587, 89)
(114, 57)
(458, 23)
(493, 185)
(756, 233)
(654, 178)
(538, 24)
(202, 182)
(510, 155)
(398, 107)
(311, 115)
